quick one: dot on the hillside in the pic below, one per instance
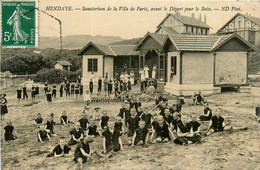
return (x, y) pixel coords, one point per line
(130, 41)
(76, 41)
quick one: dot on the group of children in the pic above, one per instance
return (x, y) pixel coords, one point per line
(140, 126)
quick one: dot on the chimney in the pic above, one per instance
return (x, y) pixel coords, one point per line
(205, 19)
(192, 15)
(200, 17)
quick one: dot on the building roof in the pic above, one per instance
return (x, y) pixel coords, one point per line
(64, 63)
(186, 21)
(251, 18)
(202, 43)
(169, 30)
(160, 38)
(113, 50)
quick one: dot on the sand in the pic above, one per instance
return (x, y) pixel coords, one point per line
(223, 150)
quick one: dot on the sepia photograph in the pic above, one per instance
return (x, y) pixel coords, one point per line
(138, 84)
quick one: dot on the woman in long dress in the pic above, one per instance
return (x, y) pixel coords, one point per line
(132, 77)
(15, 21)
(146, 72)
(3, 106)
(154, 71)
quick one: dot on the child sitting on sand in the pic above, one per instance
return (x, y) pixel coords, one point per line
(257, 113)
(132, 124)
(83, 152)
(141, 134)
(217, 124)
(84, 121)
(39, 119)
(195, 125)
(185, 134)
(207, 113)
(93, 130)
(76, 135)
(147, 118)
(103, 121)
(50, 126)
(119, 125)
(160, 130)
(61, 149)
(111, 139)
(42, 134)
(9, 133)
(181, 98)
(64, 119)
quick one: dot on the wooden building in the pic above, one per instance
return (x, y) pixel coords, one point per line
(179, 24)
(104, 60)
(246, 26)
(206, 63)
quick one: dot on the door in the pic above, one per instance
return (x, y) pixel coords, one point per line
(151, 58)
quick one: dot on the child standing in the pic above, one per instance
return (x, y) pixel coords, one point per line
(72, 89)
(48, 95)
(77, 90)
(33, 92)
(54, 90)
(3, 106)
(61, 89)
(10, 133)
(25, 92)
(91, 86)
(99, 84)
(19, 94)
(37, 91)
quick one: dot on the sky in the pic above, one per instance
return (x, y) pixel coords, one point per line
(131, 24)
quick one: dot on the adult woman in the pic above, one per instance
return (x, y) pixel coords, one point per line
(3, 106)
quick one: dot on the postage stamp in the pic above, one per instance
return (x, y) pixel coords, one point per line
(19, 24)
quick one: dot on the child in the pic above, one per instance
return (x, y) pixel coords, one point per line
(161, 130)
(200, 99)
(50, 126)
(64, 119)
(54, 90)
(111, 139)
(72, 89)
(4, 109)
(132, 124)
(61, 149)
(185, 134)
(46, 86)
(81, 89)
(195, 125)
(194, 98)
(37, 91)
(181, 98)
(176, 120)
(104, 119)
(167, 117)
(61, 89)
(84, 121)
(119, 125)
(33, 92)
(48, 95)
(110, 87)
(25, 92)
(217, 124)
(10, 133)
(147, 118)
(87, 98)
(129, 85)
(77, 90)
(92, 129)
(207, 113)
(91, 86)
(39, 119)
(43, 135)
(96, 114)
(83, 151)
(257, 113)
(19, 94)
(141, 134)
(76, 135)
(99, 84)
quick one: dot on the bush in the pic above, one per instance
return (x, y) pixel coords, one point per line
(55, 76)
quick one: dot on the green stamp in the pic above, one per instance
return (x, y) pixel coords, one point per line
(19, 24)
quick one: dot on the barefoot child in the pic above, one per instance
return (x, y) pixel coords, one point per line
(83, 152)
(93, 131)
(76, 135)
(141, 134)
(9, 133)
(43, 135)
(217, 124)
(119, 125)
(64, 119)
(160, 130)
(195, 125)
(111, 139)
(61, 149)
(50, 126)
(132, 124)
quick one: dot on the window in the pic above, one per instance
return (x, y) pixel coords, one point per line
(92, 65)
